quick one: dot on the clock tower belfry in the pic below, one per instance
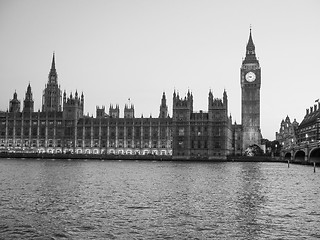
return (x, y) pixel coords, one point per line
(250, 78)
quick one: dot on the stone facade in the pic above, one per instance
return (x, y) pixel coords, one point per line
(286, 135)
(301, 142)
(309, 128)
(250, 79)
(201, 134)
(61, 126)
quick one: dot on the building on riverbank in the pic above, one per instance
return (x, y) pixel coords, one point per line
(62, 127)
(304, 145)
(309, 128)
(287, 133)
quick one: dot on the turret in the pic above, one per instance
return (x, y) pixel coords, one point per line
(210, 99)
(182, 107)
(114, 112)
(129, 111)
(295, 124)
(225, 100)
(163, 107)
(82, 101)
(64, 97)
(218, 108)
(14, 104)
(100, 112)
(72, 108)
(28, 104)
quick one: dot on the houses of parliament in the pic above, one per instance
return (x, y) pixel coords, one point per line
(62, 127)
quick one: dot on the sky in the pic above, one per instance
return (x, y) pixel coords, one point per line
(116, 50)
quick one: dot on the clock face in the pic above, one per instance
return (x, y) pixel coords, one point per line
(250, 77)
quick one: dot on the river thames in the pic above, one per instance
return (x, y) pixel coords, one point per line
(53, 199)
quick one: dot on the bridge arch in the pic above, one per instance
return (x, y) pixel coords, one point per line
(300, 155)
(315, 155)
(287, 156)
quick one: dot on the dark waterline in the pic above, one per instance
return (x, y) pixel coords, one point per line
(51, 199)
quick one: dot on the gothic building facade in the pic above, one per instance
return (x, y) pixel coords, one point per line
(287, 133)
(62, 127)
(201, 134)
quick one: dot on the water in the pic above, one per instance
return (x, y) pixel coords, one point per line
(47, 199)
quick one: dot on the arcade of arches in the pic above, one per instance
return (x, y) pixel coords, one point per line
(304, 155)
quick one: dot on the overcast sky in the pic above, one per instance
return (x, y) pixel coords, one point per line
(116, 50)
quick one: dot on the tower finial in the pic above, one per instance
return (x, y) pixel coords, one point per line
(53, 65)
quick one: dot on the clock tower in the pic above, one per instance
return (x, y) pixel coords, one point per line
(250, 77)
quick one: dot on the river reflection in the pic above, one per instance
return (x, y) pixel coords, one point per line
(250, 199)
(49, 199)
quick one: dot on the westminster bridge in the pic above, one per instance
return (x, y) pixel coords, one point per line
(308, 151)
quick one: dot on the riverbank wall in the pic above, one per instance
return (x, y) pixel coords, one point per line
(63, 156)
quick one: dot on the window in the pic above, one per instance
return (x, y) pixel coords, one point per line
(181, 131)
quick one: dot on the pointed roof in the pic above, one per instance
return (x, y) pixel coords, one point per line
(53, 73)
(53, 65)
(29, 88)
(250, 45)
(250, 51)
(28, 93)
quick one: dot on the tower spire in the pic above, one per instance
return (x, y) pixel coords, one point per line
(53, 65)
(52, 93)
(250, 50)
(28, 101)
(53, 76)
(250, 45)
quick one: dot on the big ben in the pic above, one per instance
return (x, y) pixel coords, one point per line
(250, 77)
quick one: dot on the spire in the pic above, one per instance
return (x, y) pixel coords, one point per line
(28, 101)
(53, 65)
(250, 45)
(29, 88)
(28, 93)
(250, 51)
(164, 99)
(53, 73)
(225, 93)
(64, 96)
(210, 99)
